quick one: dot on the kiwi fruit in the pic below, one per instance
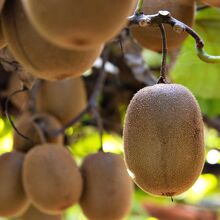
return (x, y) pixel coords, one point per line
(108, 190)
(13, 200)
(215, 3)
(79, 24)
(51, 178)
(34, 214)
(164, 139)
(150, 37)
(38, 56)
(28, 125)
(72, 94)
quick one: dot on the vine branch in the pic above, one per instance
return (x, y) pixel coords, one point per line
(164, 17)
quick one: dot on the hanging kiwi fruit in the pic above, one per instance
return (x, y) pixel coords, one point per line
(72, 92)
(215, 3)
(35, 127)
(37, 55)
(79, 24)
(164, 140)
(150, 37)
(107, 192)
(13, 200)
(51, 178)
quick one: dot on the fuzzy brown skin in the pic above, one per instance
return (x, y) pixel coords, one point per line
(13, 200)
(34, 214)
(25, 124)
(51, 178)
(150, 37)
(38, 56)
(164, 140)
(71, 94)
(108, 190)
(215, 3)
(79, 24)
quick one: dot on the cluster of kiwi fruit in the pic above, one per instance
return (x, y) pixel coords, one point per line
(43, 177)
(58, 40)
(163, 132)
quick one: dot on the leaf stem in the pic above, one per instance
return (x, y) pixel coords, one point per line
(138, 10)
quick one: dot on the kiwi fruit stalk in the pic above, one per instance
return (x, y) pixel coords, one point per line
(51, 178)
(37, 55)
(79, 24)
(29, 126)
(108, 190)
(34, 214)
(164, 139)
(215, 3)
(150, 37)
(20, 100)
(70, 92)
(13, 200)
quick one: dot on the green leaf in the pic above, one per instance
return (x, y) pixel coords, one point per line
(201, 78)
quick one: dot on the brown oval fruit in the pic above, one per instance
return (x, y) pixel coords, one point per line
(71, 94)
(215, 3)
(150, 37)
(108, 190)
(34, 214)
(163, 139)
(51, 178)
(28, 125)
(38, 56)
(13, 200)
(79, 24)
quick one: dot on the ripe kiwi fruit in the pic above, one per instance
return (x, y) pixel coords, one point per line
(150, 37)
(108, 190)
(13, 200)
(26, 124)
(72, 94)
(51, 178)
(163, 139)
(37, 55)
(34, 214)
(215, 3)
(79, 24)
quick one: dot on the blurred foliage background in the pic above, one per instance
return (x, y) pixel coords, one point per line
(203, 80)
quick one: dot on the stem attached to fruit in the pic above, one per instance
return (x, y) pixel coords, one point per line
(164, 17)
(138, 10)
(24, 89)
(164, 53)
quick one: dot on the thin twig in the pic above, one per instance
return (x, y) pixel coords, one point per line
(164, 55)
(24, 89)
(164, 17)
(138, 10)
